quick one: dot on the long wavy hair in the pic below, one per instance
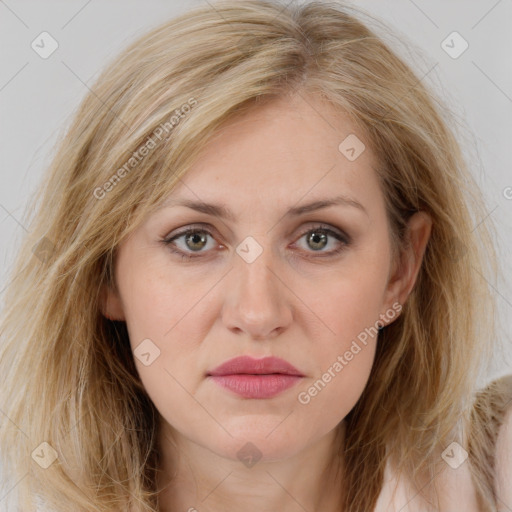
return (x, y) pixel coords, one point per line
(67, 373)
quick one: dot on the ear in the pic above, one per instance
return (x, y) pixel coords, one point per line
(406, 268)
(111, 305)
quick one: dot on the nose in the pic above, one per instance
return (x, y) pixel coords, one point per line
(257, 300)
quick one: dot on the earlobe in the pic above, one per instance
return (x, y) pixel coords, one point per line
(111, 306)
(406, 271)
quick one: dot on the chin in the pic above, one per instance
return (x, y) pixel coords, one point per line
(254, 444)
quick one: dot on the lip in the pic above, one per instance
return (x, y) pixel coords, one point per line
(250, 365)
(256, 378)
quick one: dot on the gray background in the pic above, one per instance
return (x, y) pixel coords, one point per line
(38, 96)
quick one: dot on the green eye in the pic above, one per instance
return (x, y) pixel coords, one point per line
(194, 239)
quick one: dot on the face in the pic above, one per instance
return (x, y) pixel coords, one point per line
(308, 287)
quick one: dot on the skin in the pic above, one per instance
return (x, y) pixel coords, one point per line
(290, 302)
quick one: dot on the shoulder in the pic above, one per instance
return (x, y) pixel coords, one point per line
(503, 458)
(454, 491)
(491, 439)
(485, 475)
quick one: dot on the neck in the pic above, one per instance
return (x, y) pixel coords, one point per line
(193, 478)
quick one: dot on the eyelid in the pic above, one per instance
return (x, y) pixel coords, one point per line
(205, 226)
(189, 227)
(329, 228)
(341, 235)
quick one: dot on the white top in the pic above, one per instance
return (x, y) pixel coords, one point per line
(455, 491)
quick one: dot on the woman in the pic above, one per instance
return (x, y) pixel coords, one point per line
(253, 282)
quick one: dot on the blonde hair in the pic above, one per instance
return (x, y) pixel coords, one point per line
(67, 373)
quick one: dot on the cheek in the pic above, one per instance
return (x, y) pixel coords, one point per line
(343, 361)
(166, 322)
(337, 388)
(346, 350)
(347, 302)
(158, 304)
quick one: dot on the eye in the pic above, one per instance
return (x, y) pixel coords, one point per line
(195, 238)
(317, 238)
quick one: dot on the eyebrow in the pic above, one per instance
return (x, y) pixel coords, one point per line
(223, 212)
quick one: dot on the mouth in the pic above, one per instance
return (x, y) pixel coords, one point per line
(256, 386)
(256, 378)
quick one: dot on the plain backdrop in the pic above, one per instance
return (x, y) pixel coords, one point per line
(38, 96)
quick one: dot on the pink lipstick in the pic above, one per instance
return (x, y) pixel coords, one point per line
(256, 378)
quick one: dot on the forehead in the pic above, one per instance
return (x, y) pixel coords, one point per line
(288, 151)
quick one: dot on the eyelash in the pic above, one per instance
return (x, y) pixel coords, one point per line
(341, 237)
